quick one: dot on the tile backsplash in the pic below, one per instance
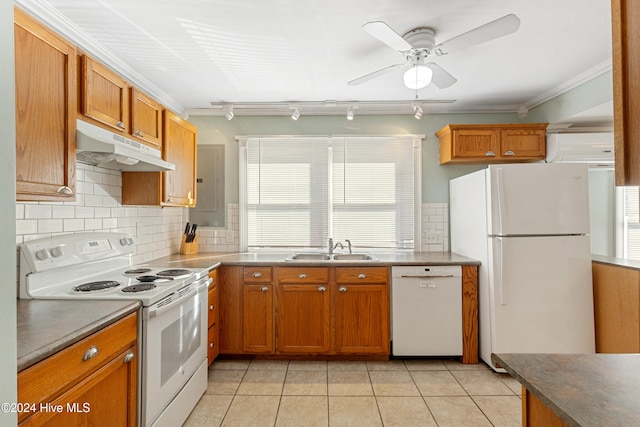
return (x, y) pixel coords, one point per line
(98, 207)
(435, 227)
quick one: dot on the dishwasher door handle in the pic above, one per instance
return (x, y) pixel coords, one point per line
(427, 277)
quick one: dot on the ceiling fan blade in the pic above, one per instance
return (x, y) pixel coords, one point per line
(500, 27)
(386, 35)
(441, 77)
(375, 74)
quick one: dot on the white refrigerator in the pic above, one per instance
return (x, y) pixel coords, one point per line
(528, 225)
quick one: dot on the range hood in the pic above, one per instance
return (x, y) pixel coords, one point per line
(99, 147)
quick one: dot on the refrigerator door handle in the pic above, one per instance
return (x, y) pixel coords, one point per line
(499, 268)
(501, 200)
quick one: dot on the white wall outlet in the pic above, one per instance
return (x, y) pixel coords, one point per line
(431, 237)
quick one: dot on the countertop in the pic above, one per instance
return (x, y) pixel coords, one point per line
(622, 262)
(582, 389)
(213, 260)
(48, 326)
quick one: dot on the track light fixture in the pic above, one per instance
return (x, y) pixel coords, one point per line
(228, 108)
(417, 110)
(296, 114)
(350, 113)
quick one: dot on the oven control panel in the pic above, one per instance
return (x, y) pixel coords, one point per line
(71, 249)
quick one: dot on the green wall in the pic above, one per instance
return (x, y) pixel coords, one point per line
(435, 178)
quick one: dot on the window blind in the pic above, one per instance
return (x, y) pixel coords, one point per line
(301, 191)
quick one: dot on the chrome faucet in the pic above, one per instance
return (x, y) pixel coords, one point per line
(348, 243)
(332, 246)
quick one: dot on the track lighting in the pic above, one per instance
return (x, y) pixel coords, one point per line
(229, 115)
(349, 113)
(296, 114)
(417, 111)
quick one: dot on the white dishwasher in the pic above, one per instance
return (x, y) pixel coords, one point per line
(426, 310)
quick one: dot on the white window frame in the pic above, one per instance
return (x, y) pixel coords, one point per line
(417, 140)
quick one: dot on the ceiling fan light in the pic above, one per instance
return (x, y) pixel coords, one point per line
(417, 77)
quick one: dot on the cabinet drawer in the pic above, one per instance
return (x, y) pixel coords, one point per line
(303, 275)
(257, 274)
(361, 274)
(59, 372)
(212, 344)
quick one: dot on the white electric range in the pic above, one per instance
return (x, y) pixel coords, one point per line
(173, 330)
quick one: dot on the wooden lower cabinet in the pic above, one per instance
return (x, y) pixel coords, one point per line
(257, 318)
(303, 318)
(87, 383)
(362, 310)
(213, 340)
(537, 414)
(616, 301)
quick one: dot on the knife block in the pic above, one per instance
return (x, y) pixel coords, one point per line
(189, 248)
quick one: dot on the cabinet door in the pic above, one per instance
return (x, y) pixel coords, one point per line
(105, 96)
(179, 147)
(146, 119)
(230, 314)
(109, 394)
(362, 318)
(303, 318)
(475, 143)
(46, 106)
(523, 143)
(257, 318)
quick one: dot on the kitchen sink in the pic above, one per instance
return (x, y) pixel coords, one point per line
(309, 257)
(322, 256)
(354, 257)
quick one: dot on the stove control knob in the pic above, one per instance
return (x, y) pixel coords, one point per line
(57, 251)
(130, 240)
(42, 254)
(124, 241)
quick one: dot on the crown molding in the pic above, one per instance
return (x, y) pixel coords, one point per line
(576, 81)
(52, 18)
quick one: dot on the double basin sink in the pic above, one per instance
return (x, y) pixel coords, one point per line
(323, 256)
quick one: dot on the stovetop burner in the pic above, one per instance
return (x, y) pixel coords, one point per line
(96, 286)
(174, 272)
(141, 270)
(140, 287)
(153, 279)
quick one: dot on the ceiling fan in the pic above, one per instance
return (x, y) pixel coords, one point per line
(419, 44)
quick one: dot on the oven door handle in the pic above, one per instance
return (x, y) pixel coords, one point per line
(169, 302)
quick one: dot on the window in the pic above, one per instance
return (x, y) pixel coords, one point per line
(631, 223)
(300, 191)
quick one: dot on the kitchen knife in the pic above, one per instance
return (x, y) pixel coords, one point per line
(186, 230)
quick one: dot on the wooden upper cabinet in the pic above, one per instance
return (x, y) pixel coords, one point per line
(626, 87)
(180, 149)
(146, 118)
(492, 143)
(46, 105)
(105, 96)
(171, 188)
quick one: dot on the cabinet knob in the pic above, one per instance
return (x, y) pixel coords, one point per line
(120, 125)
(211, 307)
(257, 275)
(509, 153)
(362, 276)
(211, 345)
(139, 133)
(90, 353)
(264, 288)
(65, 190)
(321, 289)
(490, 154)
(302, 276)
(342, 289)
(128, 357)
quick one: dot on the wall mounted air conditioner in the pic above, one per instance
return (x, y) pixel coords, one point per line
(596, 149)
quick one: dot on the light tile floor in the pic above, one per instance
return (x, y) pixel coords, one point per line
(403, 393)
